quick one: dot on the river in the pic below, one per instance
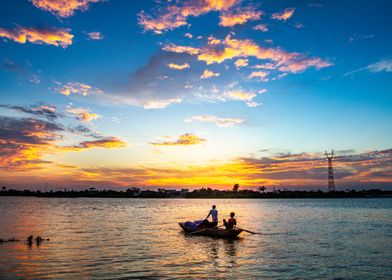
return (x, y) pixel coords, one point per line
(106, 238)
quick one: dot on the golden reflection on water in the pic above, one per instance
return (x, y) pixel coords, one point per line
(122, 238)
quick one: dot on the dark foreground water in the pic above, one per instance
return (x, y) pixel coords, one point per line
(135, 238)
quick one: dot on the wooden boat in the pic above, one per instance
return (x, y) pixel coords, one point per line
(212, 232)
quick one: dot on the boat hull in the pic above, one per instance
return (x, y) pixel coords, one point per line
(212, 232)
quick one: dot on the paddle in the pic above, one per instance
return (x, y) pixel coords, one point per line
(252, 232)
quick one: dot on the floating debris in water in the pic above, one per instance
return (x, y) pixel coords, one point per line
(9, 240)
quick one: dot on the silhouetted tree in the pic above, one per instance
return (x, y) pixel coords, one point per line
(236, 187)
(262, 189)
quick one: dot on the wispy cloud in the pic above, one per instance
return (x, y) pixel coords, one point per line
(178, 66)
(221, 122)
(262, 75)
(55, 37)
(284, 15)
(83, 114)
(208, 74)
(183, 140)
(268, 66)
(241, 96)
(44, 110)
(95, 35)
(261, 27)
(76, 87)
(228, 93)
(63, 8)
(239, 16)
(180, 49)
(302, 63)
(357, 37)
(384, 65)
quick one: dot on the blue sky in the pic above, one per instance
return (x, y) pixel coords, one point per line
(297, 83)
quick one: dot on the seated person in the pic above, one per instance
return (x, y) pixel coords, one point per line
(231, 223)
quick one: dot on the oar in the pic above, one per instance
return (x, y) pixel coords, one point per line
(252, 232)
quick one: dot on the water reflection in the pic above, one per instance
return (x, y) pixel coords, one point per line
(221, 254)
(121, 238)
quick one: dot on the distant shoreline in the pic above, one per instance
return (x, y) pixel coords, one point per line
(204, 193)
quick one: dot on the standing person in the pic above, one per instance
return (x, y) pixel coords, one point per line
(231, 223)
(214, 214)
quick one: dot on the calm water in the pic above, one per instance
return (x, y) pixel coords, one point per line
(134, 238)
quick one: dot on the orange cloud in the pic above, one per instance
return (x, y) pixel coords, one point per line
(213, 41)
(24, 142)
(239, 16)
(208, 74)
(239, 95)
(241, 63)
(165, 22)
(176, 15)
(183, 140)
(221, 122)
(107, 143)
(242, 48)
(285, 15)
(75, 87)
(180, 49)
(178, 66)
(83, 114)
(55, 37)
(63, 8)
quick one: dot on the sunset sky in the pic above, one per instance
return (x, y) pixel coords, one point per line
(195, 93)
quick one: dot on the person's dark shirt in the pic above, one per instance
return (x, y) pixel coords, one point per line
(232, 222)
